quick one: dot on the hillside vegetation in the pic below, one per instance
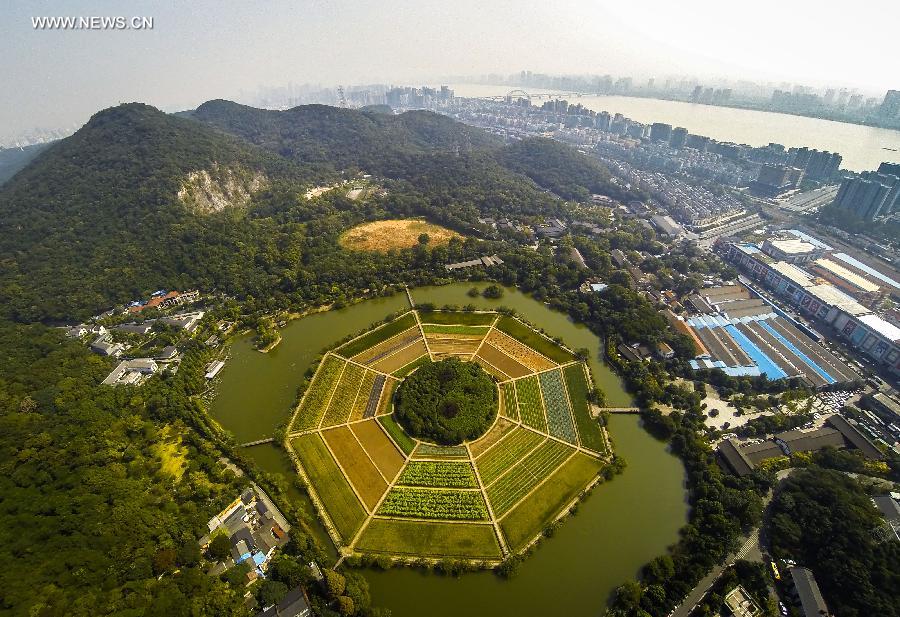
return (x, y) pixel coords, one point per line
(139, 200)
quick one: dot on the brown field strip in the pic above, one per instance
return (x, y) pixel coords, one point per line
(387, 397)
(503, 362)
(491, 370)
(522, 354)
(361, 472)
(380, 448)
(401, 358)
(449, 344)
(499, 430)
(394, 343)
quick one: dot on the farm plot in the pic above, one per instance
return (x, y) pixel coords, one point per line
(523, 477)
(429, 450)
(492, 370)
(373, 337)
(497, 432)
(430, 539)
(367, 392)
(453, 344)
(502, 361)
(406, 443)
(559, 414)
(382, 350)
(412, 366)
(332, 488)
(471, 331)
(454, 505)
(529, 518)
(443, 474)
(520, 353)
(401, 358)
(379, 447)
(357, 466)
(344, 395)
(533, 339)
(387, 397)
(589, 431)
(315, 401)
(531, 409)
(457, 318)
(509, 451)
(510, 408)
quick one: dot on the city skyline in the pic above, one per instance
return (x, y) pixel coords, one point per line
(207, 50)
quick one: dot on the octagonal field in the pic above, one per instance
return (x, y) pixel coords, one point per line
(380, 490)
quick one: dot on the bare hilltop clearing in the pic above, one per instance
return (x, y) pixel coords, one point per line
(382, 236)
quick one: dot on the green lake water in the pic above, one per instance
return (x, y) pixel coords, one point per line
(623, 524)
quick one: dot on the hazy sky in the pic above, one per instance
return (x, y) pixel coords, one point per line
(203, 49)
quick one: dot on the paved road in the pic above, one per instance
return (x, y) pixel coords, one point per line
(749, 550)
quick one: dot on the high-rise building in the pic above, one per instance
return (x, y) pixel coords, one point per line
(817, 165)
(889, 169)
(660, 131)
(679, 137)
(890, 107)
(698, 142)
(773, 180)
(602, 121)
(696, 94)
(870, 195)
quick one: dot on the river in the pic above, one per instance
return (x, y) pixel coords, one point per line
(623, 524)
(862, 147)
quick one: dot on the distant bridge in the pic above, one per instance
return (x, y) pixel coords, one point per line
(521, 94)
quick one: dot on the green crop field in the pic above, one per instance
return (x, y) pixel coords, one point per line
(341, 503)
(510, 408)
(429, 450)
(374, 337)
(457, 318)
(531, 409)
(406, 495)
(406, 443)
(437, 504)
(535, 340)
(362, 397)
(316, 399)
(529, 518)
(524, 476)
(559, 415)
(344, 395)
(440, 474)
(589, 430)
(431, 539)
(509, 451)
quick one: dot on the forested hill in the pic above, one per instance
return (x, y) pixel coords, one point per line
(97, 217)
(559, 168)
(14, 159)
(345, 138)
(139, 200)
(405, 145)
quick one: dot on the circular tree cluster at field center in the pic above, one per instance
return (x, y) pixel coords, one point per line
(447, 402)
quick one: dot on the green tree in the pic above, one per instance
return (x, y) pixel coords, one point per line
(219, 547)
(335, 583)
